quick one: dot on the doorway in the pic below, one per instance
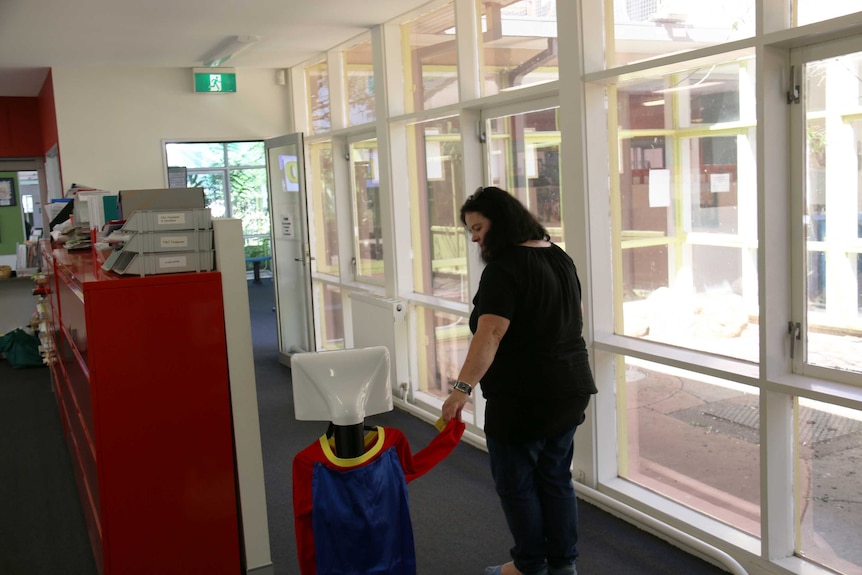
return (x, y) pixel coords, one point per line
(22, 223)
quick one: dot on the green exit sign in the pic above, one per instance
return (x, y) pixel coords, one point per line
(215, 80)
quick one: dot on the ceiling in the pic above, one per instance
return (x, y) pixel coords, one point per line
(36, 35)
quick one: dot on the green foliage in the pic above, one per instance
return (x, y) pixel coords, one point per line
(249, 201)
(255, 248)
(254, 251)
(242, 154)
(243, 164)
(247, 187)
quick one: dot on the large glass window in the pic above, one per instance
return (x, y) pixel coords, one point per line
(329, 316)
(233, 177)
(319, 110)
(359, 82)
(321, 193)
(437, 194)
(519, 44)
(833, 213)
(735, 193)
(442, 352)
(645, 29)
(829, 515)
(682, 433)
(810, 11)
(709, 219)
(431, 64)
(524, 160)
(684, 209)
(368, 233)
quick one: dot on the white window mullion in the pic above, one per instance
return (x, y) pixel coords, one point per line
(776, 223)
(337, 89)
(746, 164)
(394, 205)
(468, 38)
(777, 447)
(344, 217)
(228, 208)
(300, 122)
(585, 198)
(746, 175)
(779, 217)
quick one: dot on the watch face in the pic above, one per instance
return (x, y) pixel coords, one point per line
(462, 386)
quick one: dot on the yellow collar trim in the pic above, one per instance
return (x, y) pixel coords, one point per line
(373, 446)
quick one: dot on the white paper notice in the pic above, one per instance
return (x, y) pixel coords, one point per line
(719, 183)
(659, 188)
(173, 262)
(170, 219)
(174, 242)
(287, 226)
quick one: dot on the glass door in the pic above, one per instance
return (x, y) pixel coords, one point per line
(290, 249)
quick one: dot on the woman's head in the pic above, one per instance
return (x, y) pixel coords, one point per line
(497, 220)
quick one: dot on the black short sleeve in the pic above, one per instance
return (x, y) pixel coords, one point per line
(497, 292)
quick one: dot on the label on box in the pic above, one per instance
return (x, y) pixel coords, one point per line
(174, 242)
(171, 219)
(173, 262)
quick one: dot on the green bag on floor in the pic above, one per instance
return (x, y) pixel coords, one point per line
(21, 349)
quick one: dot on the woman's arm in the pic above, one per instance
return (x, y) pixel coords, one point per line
(490, 329)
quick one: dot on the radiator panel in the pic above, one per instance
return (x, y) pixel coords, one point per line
(379, 320)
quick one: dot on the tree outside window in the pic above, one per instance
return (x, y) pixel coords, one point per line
(233, 177)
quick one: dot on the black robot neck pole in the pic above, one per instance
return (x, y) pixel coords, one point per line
(349, 440)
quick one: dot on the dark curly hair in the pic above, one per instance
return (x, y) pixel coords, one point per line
(511, 222)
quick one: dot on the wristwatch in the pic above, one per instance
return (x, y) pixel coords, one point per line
(463, 386)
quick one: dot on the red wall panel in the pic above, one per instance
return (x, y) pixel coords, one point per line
(48, 115)
(20, 127)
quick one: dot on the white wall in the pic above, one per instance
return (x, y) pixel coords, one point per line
(112, 121)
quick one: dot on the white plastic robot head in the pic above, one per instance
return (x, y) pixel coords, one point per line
(342, 386)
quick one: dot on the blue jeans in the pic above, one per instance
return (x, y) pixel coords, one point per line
(534, 482)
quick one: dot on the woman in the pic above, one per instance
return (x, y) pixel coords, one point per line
(530, 356)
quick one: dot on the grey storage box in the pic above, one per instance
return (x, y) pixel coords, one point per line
(164, 242)
(130, 201)
(168, 220)
(175, 241)
(160, 263)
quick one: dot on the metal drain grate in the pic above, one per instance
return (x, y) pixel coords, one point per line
(815, 426)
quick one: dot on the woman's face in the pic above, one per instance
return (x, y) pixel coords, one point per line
(477, 227)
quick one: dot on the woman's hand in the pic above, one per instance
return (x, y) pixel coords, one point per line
(454, 404)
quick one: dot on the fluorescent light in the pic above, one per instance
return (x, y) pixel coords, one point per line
(659, 102)
(227, 49)
(685, 87)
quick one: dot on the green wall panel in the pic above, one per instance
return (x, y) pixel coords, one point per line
(11, 223)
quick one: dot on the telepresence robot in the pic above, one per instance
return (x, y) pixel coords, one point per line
(350, 487)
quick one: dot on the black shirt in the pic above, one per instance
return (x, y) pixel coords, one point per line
(541, 371)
